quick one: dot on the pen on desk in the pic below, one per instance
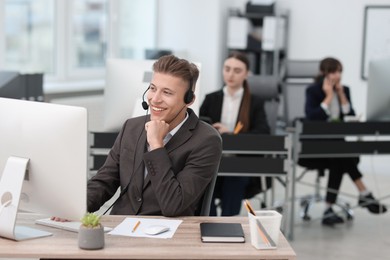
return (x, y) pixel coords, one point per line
(238, 128)
(136, 226)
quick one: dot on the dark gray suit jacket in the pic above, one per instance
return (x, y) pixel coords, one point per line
(178, 173)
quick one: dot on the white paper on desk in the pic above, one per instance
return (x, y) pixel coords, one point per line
(126, 226)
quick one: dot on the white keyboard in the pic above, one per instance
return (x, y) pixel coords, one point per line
(72, 226)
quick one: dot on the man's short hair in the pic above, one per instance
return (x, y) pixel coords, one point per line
(181, 68)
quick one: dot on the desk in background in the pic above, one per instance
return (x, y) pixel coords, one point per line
(368, 139)
(186, 244)
(317, 139)
(256, 155)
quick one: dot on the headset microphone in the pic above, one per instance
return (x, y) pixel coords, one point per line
(145, 105)
(170, 121)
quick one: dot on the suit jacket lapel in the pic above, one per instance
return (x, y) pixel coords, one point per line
(218, 106)
(138, 162)
(184, 132)
(179, 138)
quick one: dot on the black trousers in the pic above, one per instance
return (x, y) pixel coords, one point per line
(231, 192)
(337, 167)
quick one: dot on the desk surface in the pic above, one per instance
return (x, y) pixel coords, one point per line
(341, 129)
(185, 244)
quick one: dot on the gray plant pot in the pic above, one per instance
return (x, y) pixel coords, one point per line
(91, 238)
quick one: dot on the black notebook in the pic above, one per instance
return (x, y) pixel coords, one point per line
(222, 232)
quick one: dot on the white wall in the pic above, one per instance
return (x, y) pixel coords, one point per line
(331, 28)
(195, 29)
(318, 28)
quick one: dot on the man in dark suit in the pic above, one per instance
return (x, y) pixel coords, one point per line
(162, 162)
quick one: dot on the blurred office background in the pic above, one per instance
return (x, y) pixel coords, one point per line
(69, 40)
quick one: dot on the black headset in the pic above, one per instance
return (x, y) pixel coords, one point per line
(188, 97)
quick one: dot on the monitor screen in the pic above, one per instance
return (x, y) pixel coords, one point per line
(12, 85)
(54, 139)
(378, 91)
(126, 81)
(18, 86)
(153, 54)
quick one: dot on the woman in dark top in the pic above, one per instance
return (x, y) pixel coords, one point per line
(328, 100)
(228, 108)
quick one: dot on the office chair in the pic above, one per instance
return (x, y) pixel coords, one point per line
(266, 87)
(308, 200)
(205, 202)
(297, 75)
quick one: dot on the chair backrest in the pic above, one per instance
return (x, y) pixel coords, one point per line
(301, 68)
(266, 87)
(205, 202)
(297, 76)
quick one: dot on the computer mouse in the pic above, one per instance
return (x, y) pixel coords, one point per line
(155, 229)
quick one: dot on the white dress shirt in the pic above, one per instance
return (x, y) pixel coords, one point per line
(333, 110)
(230, 108)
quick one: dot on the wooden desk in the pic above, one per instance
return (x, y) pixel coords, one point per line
(185, 244)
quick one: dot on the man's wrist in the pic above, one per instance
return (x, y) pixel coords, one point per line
(155, 146)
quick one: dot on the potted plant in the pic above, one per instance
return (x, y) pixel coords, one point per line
(91, 232)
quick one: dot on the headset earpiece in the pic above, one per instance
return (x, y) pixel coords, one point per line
(189, 96)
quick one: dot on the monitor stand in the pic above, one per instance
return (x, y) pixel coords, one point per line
(10, 189)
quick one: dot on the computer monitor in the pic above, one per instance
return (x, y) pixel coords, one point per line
(54, 140)
(21, 86)
(126, 81)
(153, 54)
(12, 85)
(378, 91)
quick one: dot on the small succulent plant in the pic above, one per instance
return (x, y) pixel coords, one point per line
(91, 220)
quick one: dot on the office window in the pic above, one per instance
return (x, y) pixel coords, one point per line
(69, 40)
(88, 35)
(137, 23)
(29, 35)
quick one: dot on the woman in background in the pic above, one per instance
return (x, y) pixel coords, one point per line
(328, 100)
(234, 110)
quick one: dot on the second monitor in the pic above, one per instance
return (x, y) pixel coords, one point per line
(378, 91)
(126, 81)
